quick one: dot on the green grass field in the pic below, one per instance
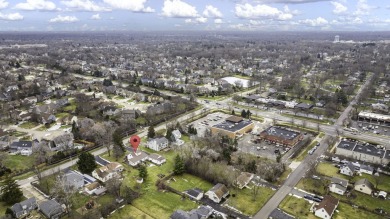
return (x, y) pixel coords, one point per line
(130, 211)
(346, 211)
(327, 169)
(313, 185)
(187, 181)
(19, 162)
(244, 202)
(29, 125)
(297, 207)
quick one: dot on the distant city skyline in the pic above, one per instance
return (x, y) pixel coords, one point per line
(150, 15)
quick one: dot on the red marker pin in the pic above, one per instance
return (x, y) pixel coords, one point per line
(134, 141)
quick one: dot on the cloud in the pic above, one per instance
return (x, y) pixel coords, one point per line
(338, 8)
(211, 11)
(131, 5)
(64, 19)
(179, 9)
(218, 21)
(199, 20)
(96, 17)
(362, 8)
(289, 1)
(318, 22)
(83, 5)
(3, 4)
(11, 17)
(248, 11)
(41, 5)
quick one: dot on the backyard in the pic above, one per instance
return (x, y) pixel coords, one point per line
(297, 207)
(19, 162)
(313, 185)
(187, 181)
(242, 199)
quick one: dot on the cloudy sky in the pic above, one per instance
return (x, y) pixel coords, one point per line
(264, 15)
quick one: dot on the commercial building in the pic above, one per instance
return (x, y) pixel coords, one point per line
(283, 136)
(232, 126)
(374, 117)
(363, 151)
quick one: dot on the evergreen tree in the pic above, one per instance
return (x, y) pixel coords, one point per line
(86, 163)
(178, 168)
(248, 114)
(142, 172)
(10, 191)
(75, 130)
(17, 65)
(151, 132)
(233, 113)
(243, 114)
(168, 135)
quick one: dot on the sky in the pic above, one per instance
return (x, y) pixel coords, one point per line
(211, 15)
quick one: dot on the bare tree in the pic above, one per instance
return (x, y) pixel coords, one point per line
(41, 153)
(63, 191)
(255, 191)
(113, 186)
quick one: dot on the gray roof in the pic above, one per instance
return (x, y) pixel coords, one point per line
(347, 145)
(161, 140)
(370, 150)
(364, 181)
(51, 208)
(387, 155)
(29, 204)
(22, 144)
(279, 214)
(339, 181)
(281, 132)
(193, 192)
(304, 106)
(233, 127)
(367, 167)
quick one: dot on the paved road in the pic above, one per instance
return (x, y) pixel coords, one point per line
(346, 112)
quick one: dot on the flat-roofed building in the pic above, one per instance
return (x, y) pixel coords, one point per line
(233, 126)
(282, 136)
(363, 151)
(374, 116)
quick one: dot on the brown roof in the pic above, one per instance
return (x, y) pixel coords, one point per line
(329, 203)
(234, 119)
(220, 190)
(92, 186)
(243, 179)
(114, 166)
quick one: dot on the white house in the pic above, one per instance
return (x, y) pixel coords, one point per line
(107, 172)
(217, 193)
(366, 169)
(136, 158)
(364, 186)
(156, 159)
(157, 144)
(326, 207)
(21, 147)
(347, 169)
(338, 186)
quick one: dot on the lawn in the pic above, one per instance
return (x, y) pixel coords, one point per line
(303, 153)
(313, 185)
(158, 204)
(70, 108)
(297, 207)
(3, 208)
(346, 211)
(187, 181)
(129, 211)
(283, 177)
(19, 162)
(327, 169)
(383, 185)
(61, 115)
(29, 125)
(242, 199)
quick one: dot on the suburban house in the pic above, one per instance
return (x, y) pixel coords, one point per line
(202, 212)
(156, 159)
(364, 186)
(136, 158)
(47, 118)
(157, 144)
(95, 189)
(21, 147)
(74, 180)
(107, 172)
(366, 169)
(176, 135)
(243, 179)
(196, 194)
(338, 186)
(217, 193)
(51, 209)
(61, 142)
(347, 169)
(24, 208)
(326, 207)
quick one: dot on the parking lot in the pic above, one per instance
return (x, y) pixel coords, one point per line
(373, 127)
(208, 121)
